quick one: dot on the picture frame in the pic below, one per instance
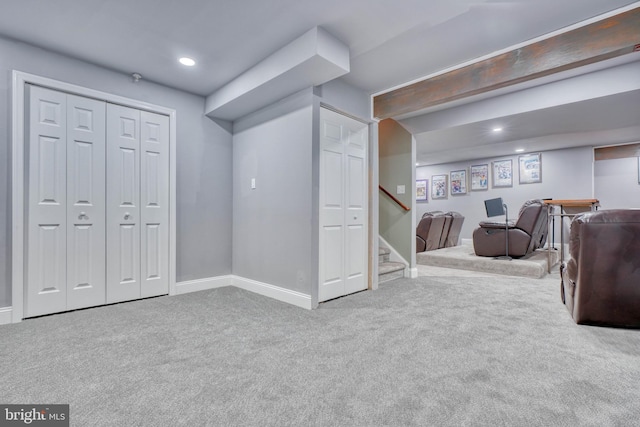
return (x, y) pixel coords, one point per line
(439, 186)
(479, 177)
(638, 169)
(502, 173)
(422, 192)
(530, 168)
(458, 180)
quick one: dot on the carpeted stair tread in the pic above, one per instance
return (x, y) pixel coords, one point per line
(389, 267)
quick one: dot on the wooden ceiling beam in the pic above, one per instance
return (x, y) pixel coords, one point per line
(609, 38)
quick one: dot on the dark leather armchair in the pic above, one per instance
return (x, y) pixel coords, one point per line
(455, 227)
(526, 234)
(429, 231)
(601, 282)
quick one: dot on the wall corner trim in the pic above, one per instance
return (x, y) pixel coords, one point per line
(203, 284)
(411, 273)
(265, 289)
(276, 292)
(6, 315)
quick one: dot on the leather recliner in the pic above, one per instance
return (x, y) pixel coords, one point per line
(601, 281)
(429, 231)
(455, 228)
(526, 234)
(448, 219)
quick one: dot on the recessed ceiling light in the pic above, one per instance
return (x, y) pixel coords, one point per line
(187, 61)
(519, 150)
(497, 129)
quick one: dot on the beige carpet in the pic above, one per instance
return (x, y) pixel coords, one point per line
(462, 257)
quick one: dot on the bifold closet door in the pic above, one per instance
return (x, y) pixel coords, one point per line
(137, 204)
(343, 205)
(65, 202)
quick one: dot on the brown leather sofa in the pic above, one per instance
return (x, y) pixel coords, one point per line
(601, 282)
(429, 231)
(526, 234)
(438, 230)
(453, 234)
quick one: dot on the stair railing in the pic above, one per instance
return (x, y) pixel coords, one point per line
(398, 202)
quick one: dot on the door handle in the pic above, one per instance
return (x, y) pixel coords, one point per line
(83, 216)
(127, 215)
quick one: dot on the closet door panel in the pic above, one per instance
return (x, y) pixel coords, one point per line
(86, 202)
(123, 203)
(46, 196)
(154, 174)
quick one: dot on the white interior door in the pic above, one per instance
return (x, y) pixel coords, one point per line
(154, 181)
(46, 250)
(97, 199)
(85, 202)
(356, 137)
(66, 217)
(343, 205)
(123, 203)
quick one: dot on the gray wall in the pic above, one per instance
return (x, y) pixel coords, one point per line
(566, 174)
(616, 183)
(346, 98)
(273, 227)
(204, 156)
(396, 168)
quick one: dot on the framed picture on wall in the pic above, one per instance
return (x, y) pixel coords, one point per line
(638, 169)
(502, 173)
(439, 187)
(479, 177)
(422, 194)
(458, 182)
(530, 169)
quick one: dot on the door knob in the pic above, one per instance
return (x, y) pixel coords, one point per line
(83, 216)
(127, 215)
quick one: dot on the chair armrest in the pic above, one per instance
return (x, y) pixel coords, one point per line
(491, 224)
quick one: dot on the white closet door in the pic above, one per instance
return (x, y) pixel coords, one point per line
(343, 205)
(331, 207)
(46, 290)
(123, 203)
(356, 136)
(154, 177)
(85, 202)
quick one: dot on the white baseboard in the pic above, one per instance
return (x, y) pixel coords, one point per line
(6, 315)
(411, 273)
(203, 284)
(275, 292)
(281, 294)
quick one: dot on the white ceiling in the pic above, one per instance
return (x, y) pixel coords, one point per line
(391, 42)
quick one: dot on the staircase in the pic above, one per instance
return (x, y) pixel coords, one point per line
(388, 270)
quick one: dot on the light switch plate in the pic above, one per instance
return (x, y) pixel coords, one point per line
(253, 183)
(400, 189)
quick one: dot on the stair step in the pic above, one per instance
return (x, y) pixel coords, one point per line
(390, 270)
(383, 254)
